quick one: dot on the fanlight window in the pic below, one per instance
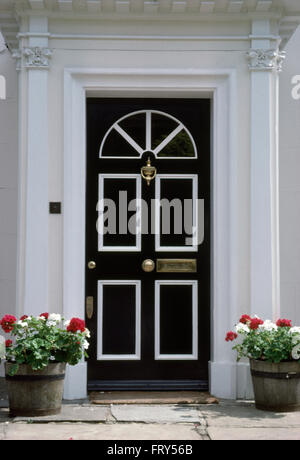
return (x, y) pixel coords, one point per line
(148, 131)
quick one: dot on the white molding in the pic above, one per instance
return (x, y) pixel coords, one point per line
(138, 245)
(220, 84)
(194, 179)
(174, 357)
(150, 37)
(109, 357)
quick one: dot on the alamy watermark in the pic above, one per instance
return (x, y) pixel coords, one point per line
(165, 217)
(2, 88)
(296, 87)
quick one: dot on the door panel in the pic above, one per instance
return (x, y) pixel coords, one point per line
(149, 329)
(119, 339)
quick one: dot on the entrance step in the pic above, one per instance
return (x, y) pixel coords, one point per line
(152, 397)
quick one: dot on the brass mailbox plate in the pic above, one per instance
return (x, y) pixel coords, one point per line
(176, 266)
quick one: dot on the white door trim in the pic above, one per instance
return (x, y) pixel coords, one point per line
(220, 85)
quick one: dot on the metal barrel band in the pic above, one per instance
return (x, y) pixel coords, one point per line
(35, 378)
(276, 375)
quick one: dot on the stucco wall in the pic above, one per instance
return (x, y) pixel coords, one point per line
(8, 185)
(289, 161)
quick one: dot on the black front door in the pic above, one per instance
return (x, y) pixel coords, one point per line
(148, 243)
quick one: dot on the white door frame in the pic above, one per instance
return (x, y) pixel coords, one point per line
(220, 86)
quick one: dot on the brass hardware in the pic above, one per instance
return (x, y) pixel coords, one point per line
(176, 266)
(91, 265)
(89, 307)
(148, 265)
(148, 172)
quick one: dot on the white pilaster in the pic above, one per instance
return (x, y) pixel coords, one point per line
(264, 64)
(35, 58)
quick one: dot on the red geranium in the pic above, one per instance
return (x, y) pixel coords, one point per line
(8, 343)
(244, 319)
(231, 336)
(45, 315)
(7, 323)
(255, 322)
(284, 323)
(23, 317)
(76, 324)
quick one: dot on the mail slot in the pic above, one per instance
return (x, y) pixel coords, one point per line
(176, 266)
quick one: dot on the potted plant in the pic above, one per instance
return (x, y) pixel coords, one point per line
(36, 358)
(274, 353)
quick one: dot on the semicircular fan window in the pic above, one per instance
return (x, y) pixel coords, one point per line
(148, 131)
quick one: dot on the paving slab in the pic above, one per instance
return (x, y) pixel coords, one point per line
(71, 413)
(156, 413)
(2, 431)
(253, 434)
(245, 415)
(132, 431)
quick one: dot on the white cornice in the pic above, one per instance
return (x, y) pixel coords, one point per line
(287, 11)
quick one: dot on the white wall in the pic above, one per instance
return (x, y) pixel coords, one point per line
(289, 161)
(8, 185)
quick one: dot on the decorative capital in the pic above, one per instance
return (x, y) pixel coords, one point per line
(32, 58)
(260, 59)
(36, 57)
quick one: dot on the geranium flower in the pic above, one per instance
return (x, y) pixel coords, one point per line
(231, 336)
(296, 352)
(44, 315)
(255, 322)
(241, 328)
(8, 343)
(76, 324)
(244, 319)
(7, 323)
(284, 323)
(268, 326)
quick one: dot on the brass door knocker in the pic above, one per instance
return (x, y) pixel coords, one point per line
(148, 172)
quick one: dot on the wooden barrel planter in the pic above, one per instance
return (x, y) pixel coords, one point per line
(33, 393)
(276, 386)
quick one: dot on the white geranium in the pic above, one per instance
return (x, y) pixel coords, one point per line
(242, 328)
(268, 326)
(55, 317)
(87, 333)
(23, 323)
(295, 330)
(85, 344)
(296, 352)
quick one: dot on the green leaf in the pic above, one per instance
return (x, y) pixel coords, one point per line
(13, 370)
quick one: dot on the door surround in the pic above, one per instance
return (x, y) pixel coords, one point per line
(220, 86)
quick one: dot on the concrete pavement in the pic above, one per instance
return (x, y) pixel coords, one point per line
(229, 420)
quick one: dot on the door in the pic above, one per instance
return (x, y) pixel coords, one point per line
(148, 243)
